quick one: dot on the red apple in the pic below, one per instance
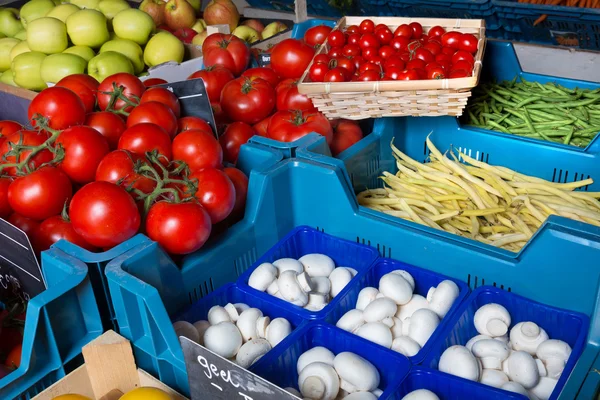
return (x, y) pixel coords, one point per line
(252, 23)
(156, 9)
(222, 12)
(185, 34)
(166, 28)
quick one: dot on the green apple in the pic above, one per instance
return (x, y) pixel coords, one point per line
(63, 11)
(26, 69)
(35, 9)
(10, 23)
(129, 49)
(107, 64)
(246, 33)
(2, 35)
(196, 5)
(273, 29)
(21, 35)
(134, 25)
(110, 8)
(7, 78)
(57, 66)
(163, 47)
(199, 39)
(48, 35)
(199, 26)
(82, 51)
(88, 28)
(6, 45)
(20, 48)
(90, 4)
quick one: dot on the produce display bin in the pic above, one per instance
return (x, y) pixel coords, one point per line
(423, 281)
(567, 326)
(305, 240)
(313, 7)
(59, 321)
(279, 365)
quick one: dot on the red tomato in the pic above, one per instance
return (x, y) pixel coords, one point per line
(369, 66)
(187, 123)
(316, 35)
(290, 57)
(27, 225)
(447, 65)
(83, 86)
(468, 43)
(164, 96)
(369, 53)
(221, 118)
(351, 50)
(240, 183)
(393, 73)
(386, 51)
(130, 85)
(121, 167)
(145, 137)
(317, 71)
(236, 134)
(400, 43)
(459, 73)
(110, 125)
(84, 148)
(263, 73)
(288, 126)
(154, 81)
(436, 31)
(5, 208)
(448, 50)
(215, 78)
(369, 76)
(417, 30)
(288, 97)
(405, 56)
(180, 228)
(394, 61)
(215, 192)
(261, 127)
(369, 40)
(342, 62)
(436, 73)
(345, 134)
(424, 54)
(248, 99)
(198, 149)
(384, 35)
(26, 138)
(354, 39)
(352, 29)
(409, 75)
(154, 112)
(228, 51)
(104, 214)
(451, 39)
(366, 26)
(404, 30)
(336, 74)
(335, 52)
(8, 127)
(322, 58)
(13, 360)
(41, 194)
(443, 57)
(54, 229)
(462, 55)
(60, 106)
(462, 64)
(336, 39)
(415, 64)
(433, 47)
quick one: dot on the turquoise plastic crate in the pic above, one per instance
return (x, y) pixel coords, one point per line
(59, 321)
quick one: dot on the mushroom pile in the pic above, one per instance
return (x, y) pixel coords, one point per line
(395, 317)
(309, 282)
(524, 361)
(421, 394)
(237, 332)
(325, 376)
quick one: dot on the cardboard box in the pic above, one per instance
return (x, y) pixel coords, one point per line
(109, 371)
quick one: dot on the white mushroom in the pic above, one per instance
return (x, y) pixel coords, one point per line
(233, 312)
(527, 336)
(251, 351)
(492, 320)
(542, 371)
(317, 264)
(396, 328)
(543, 390)
(316, 301)
(521, 368)
(278, 330)
(319, 381)
(406, 275)
(261, 326)
(321, 284)
(351, 321)
(377, 392)
(247, 323)
(396, 287)
(356, 374)
(286, 264)
(290, 289)
(515, 387)
(305, 282)
(474, 340)
(376, 332)
(316, 354)
(361, 396)
(201, 326)
(218, 314)
(503, 339)
(459, 361)
(339, 278)
(223, 339)
(554, 354)
(493, 377)
(273, 288)
(185, 329)
(241, 307)
(379, 309)
(365, 296)
(422, 325)
(421, 394)
(491, 352)
(262, 276)
(442, 297)
(405, 346)
(352, 271)
(416, 302)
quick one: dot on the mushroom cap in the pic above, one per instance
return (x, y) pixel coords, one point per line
(416, 302)
(396, 287)
(290, 289)
(441, 298)
(365, 296)
(492, 319)
(527, 336)
(421, 394)
(406, 346)
(522, 369)
(376, 332)
(319, 381)
(357, 371)
(262, 276)
(251, 351)
(317, 264)
(223, 339)
(459, 361)
(351, 321)
(278, 329)
(361, 396)
(491, 352)
(422, 325)
(285, 264)
(553, 348)
(321, 284)
(247, 323)
(493, 377)
(339, 278)
(218, 314)
(475, 339)
(406, 275)
(543, 390)
(316, 354)
(379, 309)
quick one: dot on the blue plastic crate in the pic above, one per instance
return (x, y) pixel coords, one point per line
(568, 326)
(59, 321)
(301, 27)
(279, 365)
(318, 8)
(423, 281)
(304, 240)
(448, 387)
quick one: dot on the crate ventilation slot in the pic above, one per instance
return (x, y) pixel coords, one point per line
(245, 261)
(474, 282)
(384, 251)
(373, 166)
(476, 154)
(202, 290)
(562, 176)
(322, 230)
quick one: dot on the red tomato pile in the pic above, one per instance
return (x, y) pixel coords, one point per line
(265, 101)
(108, 160)
(370, 52)
(12, 321)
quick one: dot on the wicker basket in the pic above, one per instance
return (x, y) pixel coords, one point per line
(434, 97)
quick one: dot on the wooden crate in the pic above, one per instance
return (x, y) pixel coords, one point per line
(431, 97)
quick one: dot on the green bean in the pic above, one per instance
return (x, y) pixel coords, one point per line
(567, 139)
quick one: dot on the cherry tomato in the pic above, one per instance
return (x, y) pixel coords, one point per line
(436, 31)
(443, 57)
(424, 54)
(462, 64)
(317, 71)
(415, 64)
(60, 106)
(366, 26)
(433, 47)
(180, 228)
(121, 166)
(336, 74)
(358, 61)
(154, 112)
(83, 86)
(369, 66)
(394, 61)
(215, 78)
(104, 214)
(417, 30)
(451, 39)
(198, 149)
(26, 138)
(400, 43)
(342, 62)
(459, 73)
(448, 50)
(131, 86)
(404, 30)
(8, 127)
(84, 148)
(384, 35)
(368, 76)
(468, 43)
(322, 58)
(386, 51)
(5, 208)
(369, 40)
(447, 65)
(41, 194)
(369, 53)
(436, 73)
(187, 123)
(462, 55)
(145, 137)
(354, 39)
(154, 81)
(352, 29)
(393, 73)
(335, 52)
(215, 192)
(345, 134)
(409, 75)
(316, 35)
(27, 225)
(109, 124)
(288, 97)
(240, 183)
(264, 73)
(376, 59)
(229, 51)
(290, 58)
(336, 38)
(236, 134)
(288, 126)
(351, 50)
(164, 96)
(52, 230)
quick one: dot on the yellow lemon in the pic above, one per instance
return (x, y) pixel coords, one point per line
(146, 393)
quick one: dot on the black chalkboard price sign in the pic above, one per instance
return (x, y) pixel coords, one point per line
(20, 273)
(264, 59)
(214, 377)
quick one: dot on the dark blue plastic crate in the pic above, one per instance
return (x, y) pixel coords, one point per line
(568, 326)
(279, 365)
(304, 240)
(314, 7)
(423, 281)
(448, 387)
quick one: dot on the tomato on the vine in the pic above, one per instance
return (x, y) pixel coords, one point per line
(353, 39)
(459, 73)
(240, 183)
(415, 64)
(386, 51)
(129, 86)
(215, 78)
(336, 38)
(393, 72)
(24, 138)
(187, 123)
(198, 149)
(369, 66)
(227, 50)
(462, 64)
(248, 99)
(433, 47)
(5, 208)
(8, 127)
(287, 126)
(109, 124)
(352, 29)
(215, 192)
(84, 86)
(409, 75)
(60, 106)
(436, 73)
(290, 57)
(335, 52)
(236, 134)
(263, 73)
(164, 96)
(395, 61)
(84, 148)
(154, 112)
(146, 137)
(358, 61)
(120, 166)
(56, 228)
(316, 35)
(288, 97)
